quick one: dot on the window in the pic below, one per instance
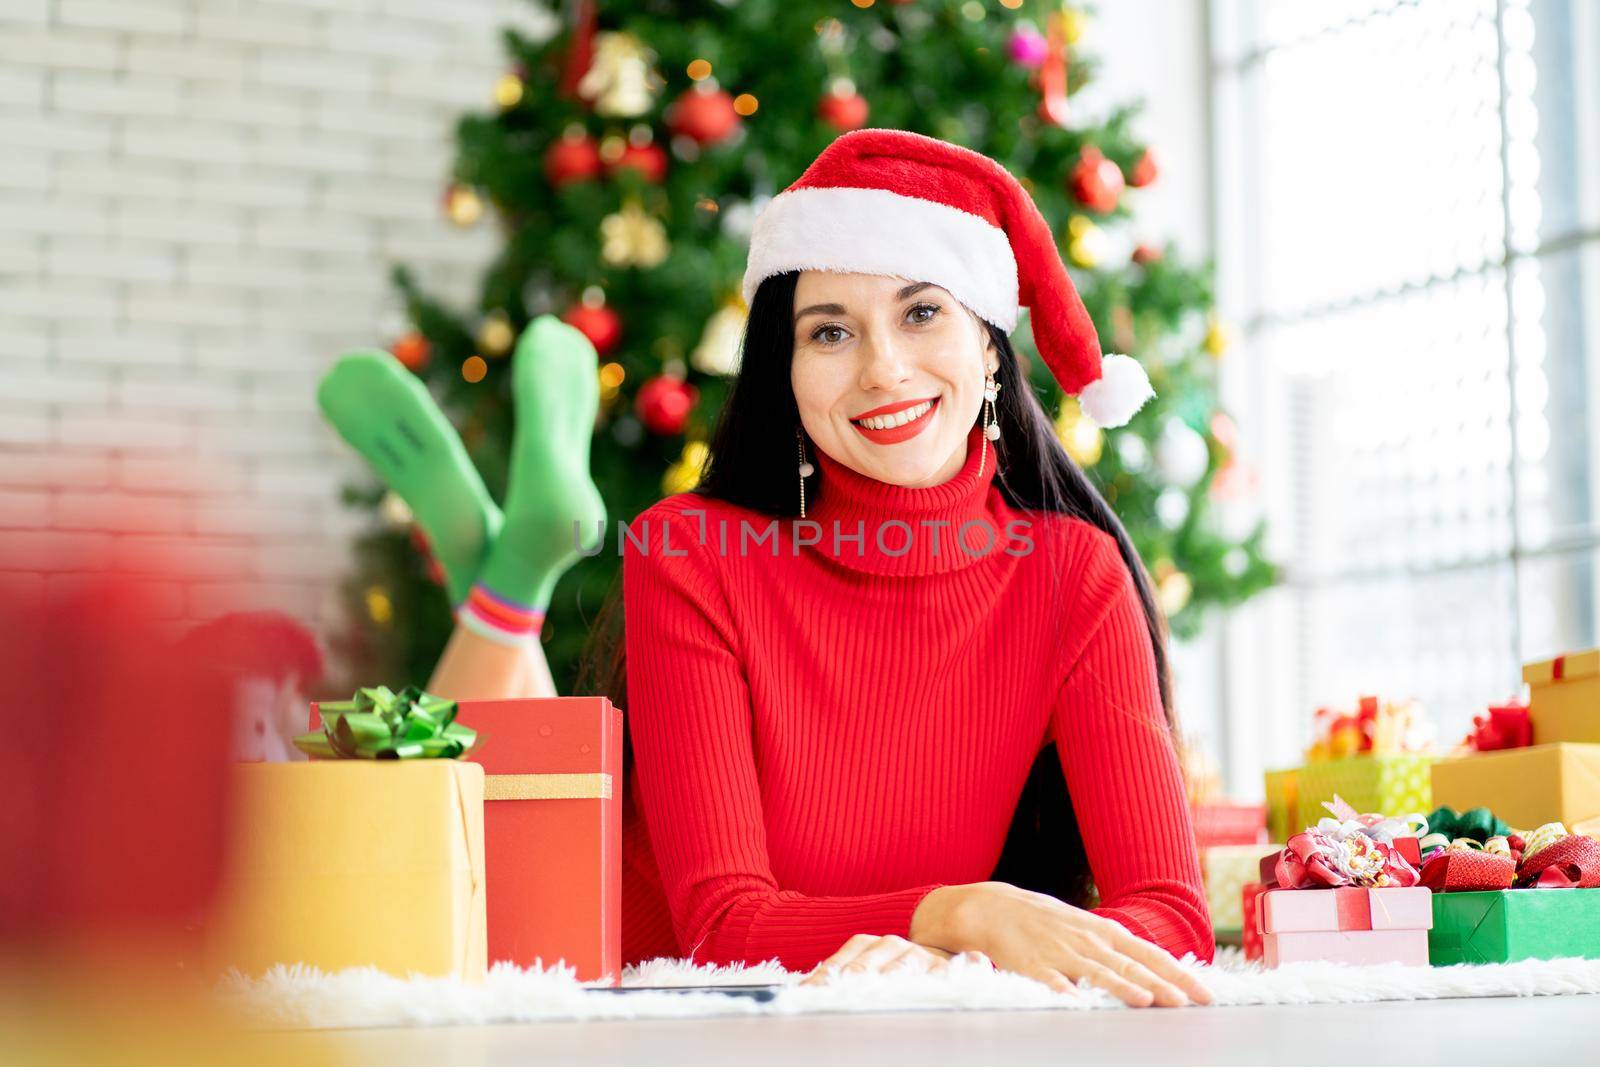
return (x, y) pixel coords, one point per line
(1408, 217)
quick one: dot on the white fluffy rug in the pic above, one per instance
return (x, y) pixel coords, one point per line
(300, 998)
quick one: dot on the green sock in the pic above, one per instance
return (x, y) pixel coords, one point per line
(556, 386)
(389, 416)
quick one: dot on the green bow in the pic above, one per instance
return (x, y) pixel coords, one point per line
(1479, 824)
(382, 724)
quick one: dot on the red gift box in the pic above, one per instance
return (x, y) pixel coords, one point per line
(1229, 824)
(1250, 937)
(552, 828)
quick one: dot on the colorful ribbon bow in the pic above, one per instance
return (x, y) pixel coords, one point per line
(381, 724)
(1349, 849)
(1448, 828)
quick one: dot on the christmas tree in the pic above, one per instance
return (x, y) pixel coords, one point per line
(624, 159)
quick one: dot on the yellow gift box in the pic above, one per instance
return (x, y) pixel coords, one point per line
(1283, 804)
(1527, 787)
(1564, 698)
(1382, 785)
(1227, 869)
(355, 863)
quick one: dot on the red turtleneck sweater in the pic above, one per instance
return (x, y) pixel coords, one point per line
(824, 733)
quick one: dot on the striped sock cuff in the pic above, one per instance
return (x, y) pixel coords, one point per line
(490, 615)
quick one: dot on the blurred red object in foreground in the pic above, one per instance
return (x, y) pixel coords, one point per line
(113, 798)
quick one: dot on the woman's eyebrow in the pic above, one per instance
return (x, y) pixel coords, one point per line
(839, 309)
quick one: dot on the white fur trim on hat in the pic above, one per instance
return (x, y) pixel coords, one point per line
(1119, 392)
(874, 231)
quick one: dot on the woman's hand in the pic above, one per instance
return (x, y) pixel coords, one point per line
(1036, 935)
(873, 952)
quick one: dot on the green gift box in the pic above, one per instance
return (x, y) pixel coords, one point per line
(1381, 785)
(1283, 812)
(1514, 924)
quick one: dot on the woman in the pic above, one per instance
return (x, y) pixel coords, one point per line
(832, 720)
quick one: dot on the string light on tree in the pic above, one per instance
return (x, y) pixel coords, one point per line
(495, 334)
(473, 369)
(1181, 453)
(1074, 23)
(612, 376)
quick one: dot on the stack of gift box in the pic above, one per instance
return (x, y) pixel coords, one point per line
(430, 837)
(1231, 837)
(1517, 876)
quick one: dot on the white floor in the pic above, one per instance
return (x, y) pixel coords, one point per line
(1449, 1033)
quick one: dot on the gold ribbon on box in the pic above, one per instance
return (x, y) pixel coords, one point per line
(595, 786)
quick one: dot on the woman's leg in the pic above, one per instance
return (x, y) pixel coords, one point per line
(474, 667)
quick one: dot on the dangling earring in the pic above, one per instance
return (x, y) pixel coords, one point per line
(806, 469)
(991, 426)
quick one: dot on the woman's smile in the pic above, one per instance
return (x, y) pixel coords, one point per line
(900, 422)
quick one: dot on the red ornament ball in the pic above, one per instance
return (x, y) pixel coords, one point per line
(1096, 182)
(1146, 254)
(413, 351)
(1144, 171)
(648, 159)
(664, 403)
(572, 159)
(704, 116)
(843, 111)
(601, 325)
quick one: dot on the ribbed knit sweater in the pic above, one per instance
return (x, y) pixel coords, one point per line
(824, 733)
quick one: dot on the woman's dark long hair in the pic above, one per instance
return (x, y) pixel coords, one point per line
(755, 437)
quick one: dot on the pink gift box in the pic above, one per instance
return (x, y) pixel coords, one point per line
(1345, 925)
(1346, 946)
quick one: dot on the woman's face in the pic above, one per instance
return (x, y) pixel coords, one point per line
(863, 342)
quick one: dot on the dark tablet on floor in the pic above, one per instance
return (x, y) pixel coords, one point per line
(755, 992)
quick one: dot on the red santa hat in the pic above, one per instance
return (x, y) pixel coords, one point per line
(879, 201)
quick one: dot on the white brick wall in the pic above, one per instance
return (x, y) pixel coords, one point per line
(198, 210)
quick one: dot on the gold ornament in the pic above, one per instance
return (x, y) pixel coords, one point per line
(1073, 23)
(495, 335)
(718, 350)
(1173, 592)
(380, 609)
(394, 509)
(611, 376)
(508, 90)
(620, 82)
(463, 206)
(633, 237)
(1078, 434)
(684, 475)
(1217, 339)
(1085, 241)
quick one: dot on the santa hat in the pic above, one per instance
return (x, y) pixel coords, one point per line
(879, 201)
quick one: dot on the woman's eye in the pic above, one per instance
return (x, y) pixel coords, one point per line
(926, 307)
(816, 334)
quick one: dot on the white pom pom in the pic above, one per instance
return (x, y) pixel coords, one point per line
(1120, 391)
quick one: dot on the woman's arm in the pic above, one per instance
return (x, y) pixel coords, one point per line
(690, 721)
(1122, 769)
